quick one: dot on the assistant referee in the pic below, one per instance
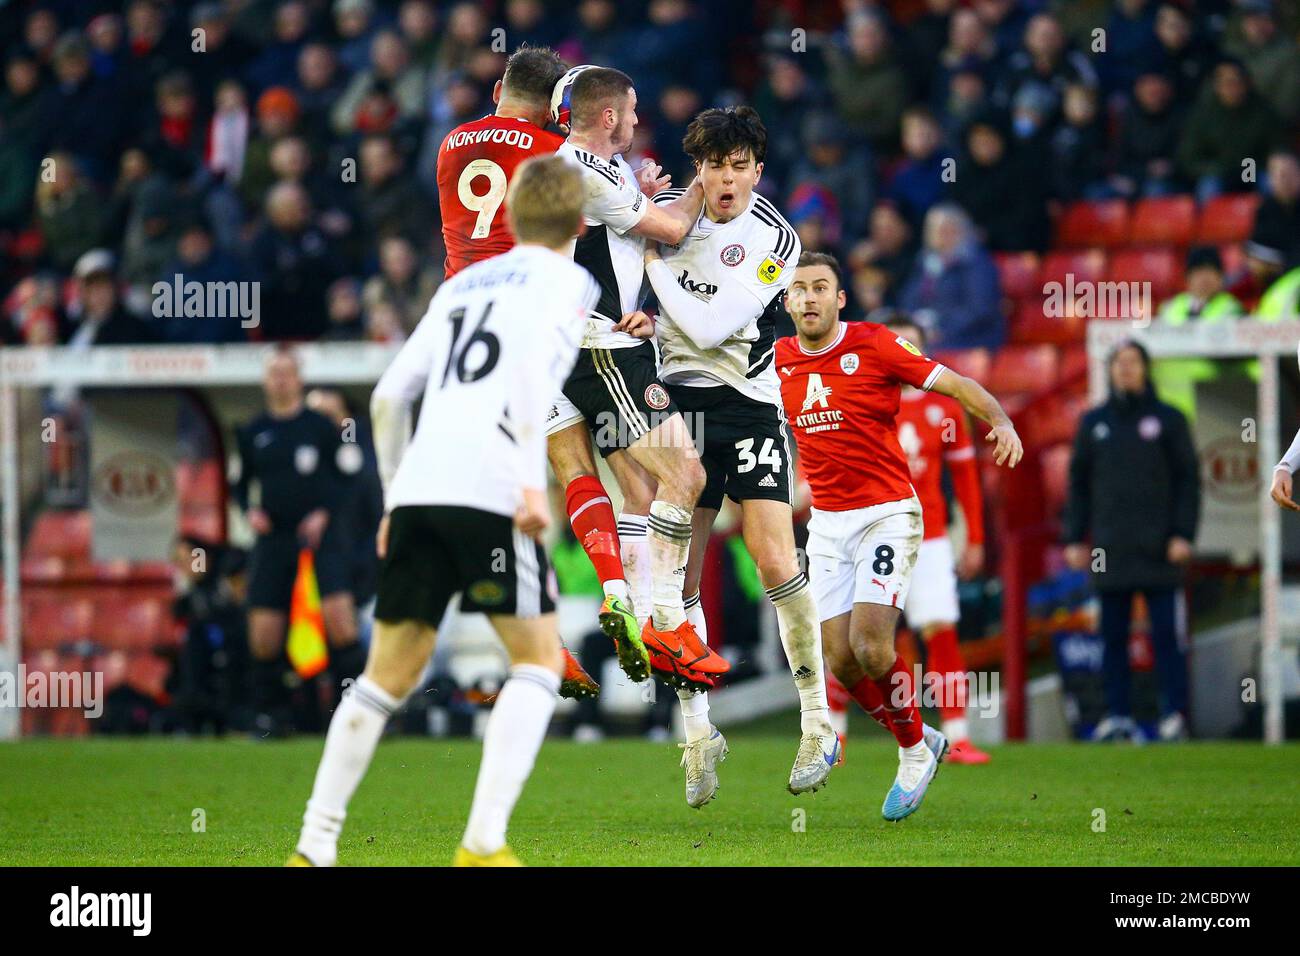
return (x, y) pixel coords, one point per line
(304, 476)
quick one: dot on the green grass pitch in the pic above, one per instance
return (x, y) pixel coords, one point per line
(124, 802)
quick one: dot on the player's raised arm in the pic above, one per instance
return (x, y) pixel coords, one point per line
(975, 398)
(670, 221)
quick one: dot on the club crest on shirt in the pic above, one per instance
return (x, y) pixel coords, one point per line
(849, 363)
(770, 269)
(933, 415)
(656, 396)
(1149, 428)
(733, 255)
(305, 459)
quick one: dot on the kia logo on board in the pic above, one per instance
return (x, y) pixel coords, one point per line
(1230, 470)
(134, 483)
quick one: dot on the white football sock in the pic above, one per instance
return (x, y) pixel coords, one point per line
(354, 732)
(796, 616)
(634, 545)
(695, 707)
(670, 545)
(956, 729)
(515, 731)
(695, 715)
(615, 588)
(695, 614)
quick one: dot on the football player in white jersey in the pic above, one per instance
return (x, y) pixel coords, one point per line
(719, 291)
(465, 506)
(615, 395)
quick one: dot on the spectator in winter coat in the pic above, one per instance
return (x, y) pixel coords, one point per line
(954, 293)
(1230, 123)
(1135, 496)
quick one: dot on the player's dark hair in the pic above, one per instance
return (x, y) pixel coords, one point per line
(593, 91)
(716, 134)
(532, 72)
(895, 319)
(810, 258)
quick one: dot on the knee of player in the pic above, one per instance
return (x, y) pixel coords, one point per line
(775, 567)
(395, 679)
(690, 478)
(545, 654)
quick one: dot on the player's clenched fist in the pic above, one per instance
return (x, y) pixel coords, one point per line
(533, 517)
(637, 324)
(1007, 448)
(1281, 490)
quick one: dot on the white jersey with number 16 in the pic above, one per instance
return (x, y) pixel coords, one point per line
(493, 349)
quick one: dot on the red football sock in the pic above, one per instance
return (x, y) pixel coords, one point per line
(899, 700)
(944, 661)
(594, 525)
(867, 694)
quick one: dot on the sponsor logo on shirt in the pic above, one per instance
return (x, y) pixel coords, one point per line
(909, 346)
(770, 269)
(698, 288)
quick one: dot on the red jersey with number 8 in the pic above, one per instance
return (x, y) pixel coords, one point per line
(475, 164)
(841, 402)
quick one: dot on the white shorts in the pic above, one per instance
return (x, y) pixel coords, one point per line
(563, 413)
(864, 556)
(934, 596)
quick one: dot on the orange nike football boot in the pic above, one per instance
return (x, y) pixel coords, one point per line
(681, 659)
(576, 684)
(679, 678)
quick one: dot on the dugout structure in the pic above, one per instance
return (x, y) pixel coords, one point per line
(227, 376)
(1270, 342)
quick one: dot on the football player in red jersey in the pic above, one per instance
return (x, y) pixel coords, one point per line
(840, 385)
(476, 162)
(934, 432)
(477, 159)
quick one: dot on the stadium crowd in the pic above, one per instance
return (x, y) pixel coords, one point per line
(294, 143)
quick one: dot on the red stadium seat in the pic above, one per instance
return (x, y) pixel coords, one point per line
(1087, 224)
(1018, 273)
(1168, 220)
(64, 534)
(1031, 326)
(1083, 264)
(1163, 268)
(1228, 218)
(1023, 368)
(973, 363)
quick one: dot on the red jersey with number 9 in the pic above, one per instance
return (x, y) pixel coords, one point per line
(475, 164)
(841, 402)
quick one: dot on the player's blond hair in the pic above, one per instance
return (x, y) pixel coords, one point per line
(544, 202)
